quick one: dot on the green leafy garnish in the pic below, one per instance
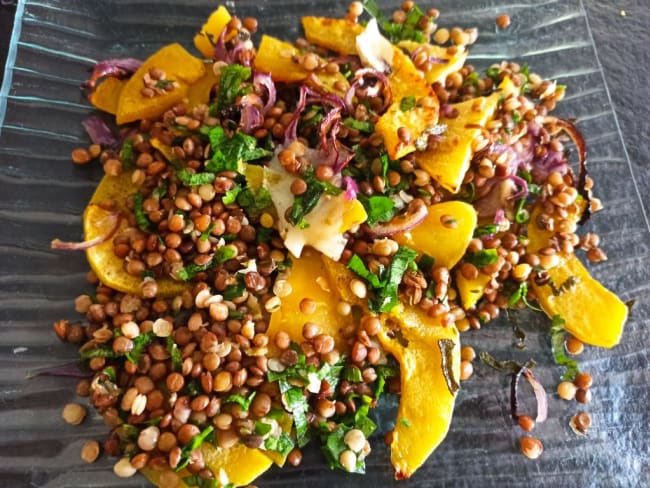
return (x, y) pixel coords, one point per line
(360, 125)
(140, 215)
(222, 255)
(174, 353)
(194, 179)
(395, 32)
(242, 401)
(505, 366)
(195, 443)
(379, 208)
(231, 195)
(126, 155)
(520, 294)
(99, 352)
(385, 285)
(229, 152)
(231, 78)
(254, 202)
(557, 346)
(352, 374)
(282, 444)
(139, 343)
(482, 257)
(486, 230)
(306, 202)
(236, 290)
(407, 103)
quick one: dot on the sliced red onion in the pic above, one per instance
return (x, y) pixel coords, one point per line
(291, 132)
(521, 183)
(99, 132)
(329, 123)
(359, 82)
(264, 80)
(70, 370)
(540, 396)
(351, 188)
(250, 118)
(119, 67)
(82, 246)
(499, 217)
(415, 213)
(220, 52)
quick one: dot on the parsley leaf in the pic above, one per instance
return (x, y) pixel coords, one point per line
(485, 230)
(242, 401)
(282, 444)
(387, 297)
(254, 202)
(557, 346)
(194, 179)
(139, 343)
(231, 195)
(235, 291)
(232, 77)
(140, 215)
(229, 152)
(379, 208)
(222, 255)
(395, 32)
(482, 257)
(520, 294)
(407, 103)
(357, 265)
(195, 443)
(126, 155)
(360, 125)
(175, 353)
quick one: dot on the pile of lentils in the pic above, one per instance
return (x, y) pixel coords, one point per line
(164, 368)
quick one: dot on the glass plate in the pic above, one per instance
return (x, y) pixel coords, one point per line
(42, 196)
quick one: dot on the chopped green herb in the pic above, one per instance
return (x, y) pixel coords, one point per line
(520, 294)
(360, 125)
(557, 346)
(493, 72)
(222, 255)
(407, 31)
(255, 202)
(307, 201)
(194, 179)
(110, 372)
(199, 482)
(516, 117)
(507, 366)
(242, 401)
(162, 84)
(405, 422)
(282, 444)
(486, 230)
(139, 343)
(471, 80)
(379, 208)
(140, 215)
(231, 195)
(229, 152)
(352, 374)
(407, 103)
(160, 191)
(262, 428)
(195, 443)
(357, 265)
(174, 353)
(522, 215)
(98, 352)
(482, 257)
(231, 79)
(235, 291)
(426, 263)
(127, 157)
(206, 233)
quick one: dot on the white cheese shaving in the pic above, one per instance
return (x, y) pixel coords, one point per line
(374, 49)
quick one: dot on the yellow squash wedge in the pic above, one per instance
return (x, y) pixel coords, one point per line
(107, 94)
(308, 279)
(591, 312)
(337, 35)
(406, 82)
(471, 291)
(452, 60)
(209, 34)
(108, 267)
(429, 359)
(444, 234)
(448, 162)
(199, 92)
(178, 65)
(279, 59)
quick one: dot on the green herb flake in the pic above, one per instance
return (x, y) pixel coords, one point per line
(426, 263)
(230, 152)
(231, 195)
(139, 344)
(378, 208)
(482, 257)
(140, 215)
(98, 352)
(222, 255)
(520, 295)
(235, 291)
(571, 369)
(407, 103)
(505, 366)
(231, 79)
(352, 374)
(195, 443)
(282, 444)
(127, 156)
(360, 125)
(206, 233)
(194, 179)
(242, 401)
(405, 422)
(406, 31)
(303, 204)
(174, 353)
(446, 348)
(486, 230)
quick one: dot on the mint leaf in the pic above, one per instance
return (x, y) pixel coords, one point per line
(140, 216)
(194, 179)
(379, 208)
(228, 152)
(222, 255)
(482, 257)
(557, 346)
(407, 103)
(231, 78)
